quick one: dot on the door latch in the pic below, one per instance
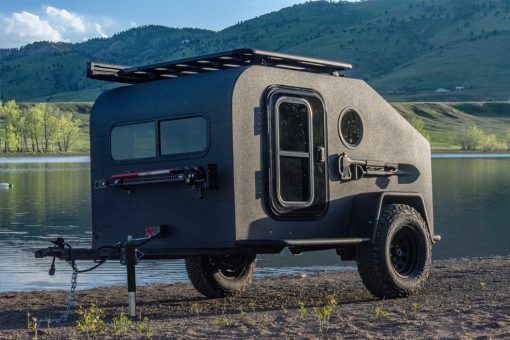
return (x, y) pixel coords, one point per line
(352, 169)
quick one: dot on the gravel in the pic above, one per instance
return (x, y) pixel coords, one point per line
(463, 298)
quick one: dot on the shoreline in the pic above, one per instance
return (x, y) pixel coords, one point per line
(462, 298)
(37, 155)
(82, 154)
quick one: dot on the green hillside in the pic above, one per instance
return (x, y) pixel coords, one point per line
(444, 121)
(406, 49)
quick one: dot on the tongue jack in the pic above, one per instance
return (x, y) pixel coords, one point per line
(51, 272)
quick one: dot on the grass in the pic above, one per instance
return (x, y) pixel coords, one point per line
(32, 327)
(323, 314)
(380, 313)
(93, 323)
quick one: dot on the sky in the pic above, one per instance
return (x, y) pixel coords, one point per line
(26, 21)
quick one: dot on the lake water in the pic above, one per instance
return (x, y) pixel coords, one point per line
(51, 198)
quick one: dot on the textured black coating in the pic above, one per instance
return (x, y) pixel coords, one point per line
(233, 101)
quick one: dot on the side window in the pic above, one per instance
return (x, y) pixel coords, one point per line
(183, 136)
(178, 137)
(133, 141)
(297, 155)
(293, 152)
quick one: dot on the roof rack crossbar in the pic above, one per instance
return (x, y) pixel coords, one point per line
(211, 63)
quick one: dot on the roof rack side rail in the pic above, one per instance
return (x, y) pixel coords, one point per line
(210, 63)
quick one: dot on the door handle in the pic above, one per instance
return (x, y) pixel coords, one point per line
(320, 154)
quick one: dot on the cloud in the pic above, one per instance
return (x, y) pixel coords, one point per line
(23, 27)
(66, 19)
(99, 31)
(52, 24)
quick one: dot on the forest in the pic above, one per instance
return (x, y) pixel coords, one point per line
(38, 128)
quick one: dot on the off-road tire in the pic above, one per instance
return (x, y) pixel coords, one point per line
(207, 277)
(376, 264)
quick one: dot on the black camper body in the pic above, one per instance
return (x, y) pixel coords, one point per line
(245, 152)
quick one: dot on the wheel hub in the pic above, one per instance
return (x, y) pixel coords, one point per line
(230, 267)
(404, 251)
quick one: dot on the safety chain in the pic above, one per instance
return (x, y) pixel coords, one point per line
(70, 299)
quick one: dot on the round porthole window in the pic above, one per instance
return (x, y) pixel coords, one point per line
(350, 128)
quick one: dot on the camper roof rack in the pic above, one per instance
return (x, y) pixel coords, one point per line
(210, 63)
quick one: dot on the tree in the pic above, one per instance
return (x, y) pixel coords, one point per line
(507, 139)
(49, 124)
(490, 143)
(419, 125)
(35, 124)
(63, 128)
(11, 114)
(69, 127)
(21, 131)
(471, 139)
(52, 128)
(40, 128)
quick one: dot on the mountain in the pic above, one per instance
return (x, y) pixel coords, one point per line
(406, 49)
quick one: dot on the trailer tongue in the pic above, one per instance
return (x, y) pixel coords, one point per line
(127, 253)
(198, 177)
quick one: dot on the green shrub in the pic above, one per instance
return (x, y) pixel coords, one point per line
(507, 139)
(90, 321)
(144, 328)
(471, 139)
(323, 314)
(33, 326)
(490, 143)
(121, 325)
(381, 313)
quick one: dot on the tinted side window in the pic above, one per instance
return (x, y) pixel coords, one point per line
(293, 152)
(295, 179)
(187, 135)
(293, 127)
(133, 141)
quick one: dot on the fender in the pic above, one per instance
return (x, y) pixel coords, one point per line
(367, 209)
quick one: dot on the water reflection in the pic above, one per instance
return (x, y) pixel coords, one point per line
(51, 199)
(472, 206)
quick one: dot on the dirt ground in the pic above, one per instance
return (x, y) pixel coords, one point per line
(463, 299)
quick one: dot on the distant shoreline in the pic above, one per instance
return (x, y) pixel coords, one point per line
(19, 155)
(442, 151)
(80, 154)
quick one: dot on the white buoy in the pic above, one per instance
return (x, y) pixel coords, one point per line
(6, 185)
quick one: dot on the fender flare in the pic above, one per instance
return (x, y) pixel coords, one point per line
(367, 209)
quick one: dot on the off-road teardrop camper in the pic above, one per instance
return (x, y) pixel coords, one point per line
(225, 156)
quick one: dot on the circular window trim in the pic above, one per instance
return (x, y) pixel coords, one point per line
(339, 127)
